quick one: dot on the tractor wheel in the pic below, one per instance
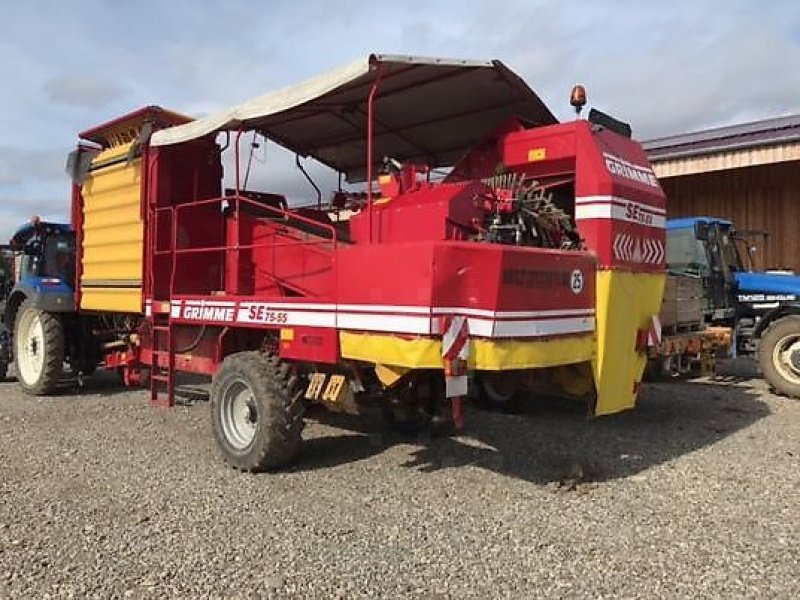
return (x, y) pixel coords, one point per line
(257, 411)
(779, 355)
(39, 349)
(3, 370)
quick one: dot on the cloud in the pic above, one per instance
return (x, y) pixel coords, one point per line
(20, 165)
(665, 67)
(83, 91)
(18, 208)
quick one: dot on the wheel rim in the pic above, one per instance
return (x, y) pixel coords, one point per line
(786, 357)
(239, 414)
(30, 347)
(500, 390)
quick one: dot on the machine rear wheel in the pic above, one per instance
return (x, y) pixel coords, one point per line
(498, 391)
(38, 349)
(257, 411)
(779, 355)
(3, 370)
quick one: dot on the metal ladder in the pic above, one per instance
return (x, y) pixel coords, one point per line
(162, 362)
(162, 372)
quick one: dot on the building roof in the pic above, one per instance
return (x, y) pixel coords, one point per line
(767, 132)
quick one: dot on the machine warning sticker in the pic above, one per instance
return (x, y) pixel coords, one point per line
(576, 281)
(634, 249)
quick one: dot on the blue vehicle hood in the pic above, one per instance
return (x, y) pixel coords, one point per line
(768, 283)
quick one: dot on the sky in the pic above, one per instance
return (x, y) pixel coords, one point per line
(665, 67)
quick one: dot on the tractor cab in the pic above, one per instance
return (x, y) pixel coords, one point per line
(711, 248)
(46, 251)
(707, 248)
(44, 268)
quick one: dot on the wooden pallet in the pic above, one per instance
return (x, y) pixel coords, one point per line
(676, 328)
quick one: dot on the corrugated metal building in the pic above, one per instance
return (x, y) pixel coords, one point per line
(747, 173)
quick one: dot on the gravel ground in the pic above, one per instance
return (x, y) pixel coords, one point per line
(694, 494)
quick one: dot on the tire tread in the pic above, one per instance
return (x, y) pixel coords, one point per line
(279, 395)
(771, 335)
(53, 367)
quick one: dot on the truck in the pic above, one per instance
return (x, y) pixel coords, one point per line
(761, 308)
(504, 271)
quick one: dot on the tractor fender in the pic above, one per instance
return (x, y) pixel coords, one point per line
(789, 308)
(15, 300)
(57, 298)
(5, 349)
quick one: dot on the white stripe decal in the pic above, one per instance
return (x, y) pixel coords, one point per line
(529, 328)
(512, 314)
(290, 305)
(619, 209)
(225, 303)
(285, 317)
(390, 323)
(542, 328)
(384, 308)
(418, 320)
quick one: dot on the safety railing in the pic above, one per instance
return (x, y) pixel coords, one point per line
(232, 206)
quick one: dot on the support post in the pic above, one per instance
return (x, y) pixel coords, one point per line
(370, 118)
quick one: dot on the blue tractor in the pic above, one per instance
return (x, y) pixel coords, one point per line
(763, 309)
(39, 308)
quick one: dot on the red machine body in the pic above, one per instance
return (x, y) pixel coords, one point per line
(536, 260)
(619, 206)
(224, 269)
(247, 262)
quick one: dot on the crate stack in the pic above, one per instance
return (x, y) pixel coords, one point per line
(682, 307)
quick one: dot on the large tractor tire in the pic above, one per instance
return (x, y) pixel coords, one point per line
(38, 349)
(779, 355)
(3, 370)
(257, 411)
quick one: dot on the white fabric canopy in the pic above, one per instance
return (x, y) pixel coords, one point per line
(427, 110)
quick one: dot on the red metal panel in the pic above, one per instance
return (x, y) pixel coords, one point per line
(510, 278)
(77, 227)
(543, 151)
(505, 291)
(392, 274)
(620, 207)
(427, 213)
(315, 344)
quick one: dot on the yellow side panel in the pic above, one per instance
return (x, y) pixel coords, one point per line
(113, 232)
(626, 302)
(485, 355)
(389, 374)
(415, 353)
(503, 355)
(119, 299)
